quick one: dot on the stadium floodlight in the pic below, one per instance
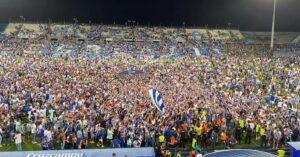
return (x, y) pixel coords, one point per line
(273, 25)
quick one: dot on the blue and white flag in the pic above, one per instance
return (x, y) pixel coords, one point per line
(157, 100)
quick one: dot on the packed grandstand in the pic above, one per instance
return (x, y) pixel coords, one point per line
(78, 86)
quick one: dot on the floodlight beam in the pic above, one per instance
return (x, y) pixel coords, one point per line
(273, 25)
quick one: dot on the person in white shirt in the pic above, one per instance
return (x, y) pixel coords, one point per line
(92, 133)
(18, 140)
(33, 132)
(49, 134)
(252, 125)
(277, 136)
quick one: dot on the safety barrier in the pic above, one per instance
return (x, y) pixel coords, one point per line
(129, 152)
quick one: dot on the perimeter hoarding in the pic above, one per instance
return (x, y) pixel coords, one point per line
(129, 152)
(295, 146)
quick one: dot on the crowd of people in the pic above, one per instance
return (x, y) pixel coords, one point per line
(210, 101)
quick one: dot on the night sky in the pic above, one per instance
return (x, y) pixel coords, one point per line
(255, 15)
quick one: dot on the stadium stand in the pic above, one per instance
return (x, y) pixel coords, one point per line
(236, 34)
(297, 39)
(264, 37)
(33, 30)
(82, 31)
(12, 28)
(220, 34)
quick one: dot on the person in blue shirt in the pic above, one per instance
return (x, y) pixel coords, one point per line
(69, 130)
(122, 141)
(70, 107)
(100, 138)
(49, 123)
(168, 134)
(41, 133)
(8, 132)
(79, 137)
(45, 143)
(47, 96)
(11, 127)
(62, 100)
(8, 135)
(116, 143)
(78, 126)
(27, 109)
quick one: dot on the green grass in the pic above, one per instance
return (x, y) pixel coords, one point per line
(30, 146)
(25, 146)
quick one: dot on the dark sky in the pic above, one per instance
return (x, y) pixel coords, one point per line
(245, 14)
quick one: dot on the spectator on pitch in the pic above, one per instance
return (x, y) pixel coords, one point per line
(213, 138)
(277, 136)
(248, 135)
(33, 132)
(1, 134)
(18, 140)
(223, 139)
(45, 143)
(295, 134)
(263, 137)
(232, 142)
